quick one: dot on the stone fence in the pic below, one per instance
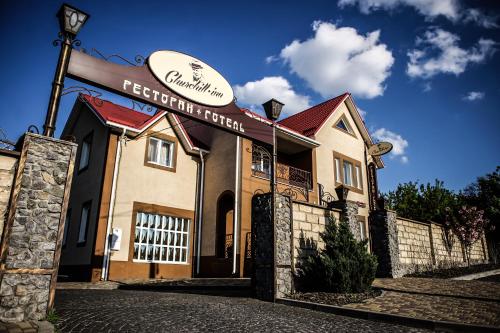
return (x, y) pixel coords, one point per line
(308, 221)
(8, 164)
(33, 230)
(406, 246)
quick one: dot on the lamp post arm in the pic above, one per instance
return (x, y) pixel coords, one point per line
(57, 86)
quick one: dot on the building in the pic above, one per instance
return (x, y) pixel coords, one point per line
(171, 191)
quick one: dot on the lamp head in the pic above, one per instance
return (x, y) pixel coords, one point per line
(71, 19)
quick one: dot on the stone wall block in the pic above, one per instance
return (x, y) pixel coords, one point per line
(44, 169)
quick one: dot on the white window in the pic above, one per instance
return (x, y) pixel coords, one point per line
(161, 152)
(66, 226)
(85, 153)
(348, 173)
(362, 229)
(337, 171)
(161, 238)
(359, 180)
(261, 161)
(84, 222)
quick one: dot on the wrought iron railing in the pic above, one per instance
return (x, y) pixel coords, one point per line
(285, 174)
(228, 246)
(248, 245)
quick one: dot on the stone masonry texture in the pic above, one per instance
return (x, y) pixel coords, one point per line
(266, 280)
(33, 234)
(7, 171)
(384, 234)
(308, 223)
(405, 246)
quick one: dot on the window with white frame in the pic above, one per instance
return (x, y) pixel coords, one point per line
(84, 223)
(359, 180)
(362, 229)
(348, 179)
(161, 152)
(348, 171)
(161, 238)
(85, 152)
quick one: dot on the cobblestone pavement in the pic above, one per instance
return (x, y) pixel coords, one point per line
(471, 289)
(149, 311)
(471, 302)
(443, 308)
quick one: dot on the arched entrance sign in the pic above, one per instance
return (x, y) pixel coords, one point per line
(140, 83)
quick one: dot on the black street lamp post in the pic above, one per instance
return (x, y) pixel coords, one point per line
(71, 21)
(273, 110)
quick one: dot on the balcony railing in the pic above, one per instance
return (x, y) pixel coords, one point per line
(296, 181)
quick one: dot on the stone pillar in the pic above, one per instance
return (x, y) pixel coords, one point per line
(385, 245)
(31, 245)
(349, 212)
(272, 247)
(283, 238)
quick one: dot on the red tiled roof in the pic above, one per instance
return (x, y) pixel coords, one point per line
(309, 121)
(118, 114)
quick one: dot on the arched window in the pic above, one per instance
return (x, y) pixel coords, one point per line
(224, 226)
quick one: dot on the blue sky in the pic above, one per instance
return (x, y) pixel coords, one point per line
(426, 76)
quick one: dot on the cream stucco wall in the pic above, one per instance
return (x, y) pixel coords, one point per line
(8, 164)
(137, 182)
(220, 176)
(85, 187)
(331, 140)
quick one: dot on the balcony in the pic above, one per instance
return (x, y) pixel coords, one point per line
(290, 179)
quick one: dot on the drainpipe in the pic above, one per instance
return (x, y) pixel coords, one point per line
(107, 250)
(236, 204)
(200, 210)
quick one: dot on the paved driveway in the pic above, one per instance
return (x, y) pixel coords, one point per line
(150, 311)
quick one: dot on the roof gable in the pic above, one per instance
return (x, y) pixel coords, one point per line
(308, 122)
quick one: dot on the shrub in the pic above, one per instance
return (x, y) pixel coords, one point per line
(343, 266)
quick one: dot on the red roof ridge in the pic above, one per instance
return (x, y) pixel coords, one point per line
(308, 122)
(119, 114)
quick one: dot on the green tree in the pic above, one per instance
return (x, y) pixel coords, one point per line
(344, 265)
(485, 194)
(405, 200)
(421, 202)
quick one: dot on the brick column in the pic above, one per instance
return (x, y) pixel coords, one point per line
(385, 245)
(272, 247)
(31, 245)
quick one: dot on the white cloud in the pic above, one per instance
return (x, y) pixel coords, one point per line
(338, 59)
(451, 9)
(448, 57)
(427, 87)
(362, 113)
(473, 96)
(398, 142)
(254, 93)
(479, 18)
(271, 58)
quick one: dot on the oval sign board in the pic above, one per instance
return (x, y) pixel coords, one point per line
(380, 148)
(191, 78)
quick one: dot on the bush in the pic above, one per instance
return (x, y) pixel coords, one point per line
(343, 266)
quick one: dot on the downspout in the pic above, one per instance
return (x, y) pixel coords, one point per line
(107, 250)
(236, 235)
(200, 210)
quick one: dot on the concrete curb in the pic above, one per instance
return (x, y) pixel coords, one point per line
(477, 275)
(435, 325)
